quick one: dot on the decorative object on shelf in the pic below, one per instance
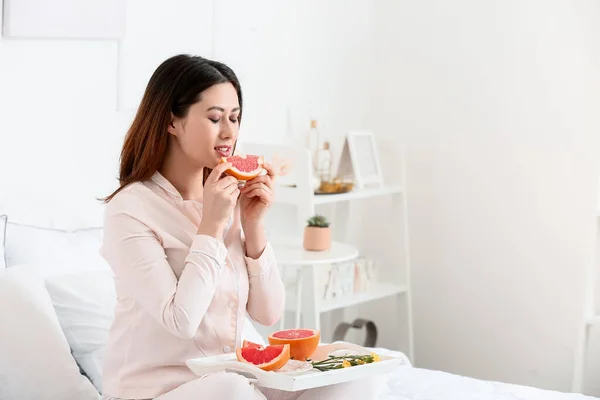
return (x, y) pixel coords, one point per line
(339, 281)
(335, 186)
(313, 141)
(323, 160)
(364, 275)
(317, 234)
(360, 160)
(370, 338)
(346, 279)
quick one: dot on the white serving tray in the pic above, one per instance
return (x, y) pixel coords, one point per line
(299, 376)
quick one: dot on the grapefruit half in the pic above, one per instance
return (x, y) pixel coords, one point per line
(303, 342)
(267, 358)
(244, 167)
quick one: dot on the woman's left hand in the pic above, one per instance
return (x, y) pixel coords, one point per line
(257, 197)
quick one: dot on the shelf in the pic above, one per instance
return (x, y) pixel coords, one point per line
(291, 253)
(290, 194)
(380, 291)
(356, 194)
(594, 320)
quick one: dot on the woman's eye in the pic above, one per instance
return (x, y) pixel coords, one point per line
(215, 120)
(234, 120)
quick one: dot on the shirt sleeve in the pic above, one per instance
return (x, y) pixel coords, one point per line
(139, 261)
(266, 296)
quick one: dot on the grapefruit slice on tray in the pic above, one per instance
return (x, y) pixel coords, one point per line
(247, 343)
(267, 358)
(303, 342)
(244, 167)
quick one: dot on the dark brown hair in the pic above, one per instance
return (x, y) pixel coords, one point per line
(174, 87)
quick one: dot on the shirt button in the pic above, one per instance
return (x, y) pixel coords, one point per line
(226, 349)
(231, 304)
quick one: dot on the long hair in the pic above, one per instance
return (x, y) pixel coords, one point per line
(174, 87)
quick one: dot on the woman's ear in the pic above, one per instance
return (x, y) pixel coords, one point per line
(172, 125)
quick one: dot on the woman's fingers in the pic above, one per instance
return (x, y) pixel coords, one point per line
(270, 171)
(232, 189)
(226, 182)
(265, 179)
(261, 192)
(217, 171)
(251, 186)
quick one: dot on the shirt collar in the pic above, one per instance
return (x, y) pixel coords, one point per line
(166, 185)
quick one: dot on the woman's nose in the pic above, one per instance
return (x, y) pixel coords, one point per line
(228, 130)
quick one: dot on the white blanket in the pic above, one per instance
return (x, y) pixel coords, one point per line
(409, 383)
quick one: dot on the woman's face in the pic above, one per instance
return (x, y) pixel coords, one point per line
(210, 129)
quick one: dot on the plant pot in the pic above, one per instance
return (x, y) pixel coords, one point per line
(316, 238)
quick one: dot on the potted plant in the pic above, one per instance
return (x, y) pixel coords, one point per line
(317, 234)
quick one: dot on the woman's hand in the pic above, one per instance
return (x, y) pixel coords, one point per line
(257, 197)
(219, 199)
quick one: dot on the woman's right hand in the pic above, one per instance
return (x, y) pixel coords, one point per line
(218, 201)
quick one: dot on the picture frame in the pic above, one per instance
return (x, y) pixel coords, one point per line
(360, 160)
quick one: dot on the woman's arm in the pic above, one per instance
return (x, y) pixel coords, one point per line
(267, 294)
(139, 261)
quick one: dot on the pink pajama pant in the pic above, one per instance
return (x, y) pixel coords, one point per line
(231, 386)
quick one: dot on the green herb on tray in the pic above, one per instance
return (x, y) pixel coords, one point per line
(338, 362)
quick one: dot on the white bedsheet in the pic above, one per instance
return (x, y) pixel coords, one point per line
(409, 383)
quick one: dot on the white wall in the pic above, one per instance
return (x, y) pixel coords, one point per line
(497, 104)
(66, 104)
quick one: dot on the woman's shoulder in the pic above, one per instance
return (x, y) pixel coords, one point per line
(130, 199)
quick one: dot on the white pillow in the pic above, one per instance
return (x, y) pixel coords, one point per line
(2, 240)
(57, 251)
(55, 211)
(84, 303)
(35, 361)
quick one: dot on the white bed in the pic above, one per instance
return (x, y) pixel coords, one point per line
(56, 306)
(421, 384)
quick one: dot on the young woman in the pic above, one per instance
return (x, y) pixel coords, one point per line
(187, 246)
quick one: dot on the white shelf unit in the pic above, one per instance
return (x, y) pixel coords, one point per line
(592, 317)
(356, 194)
(593, 320)
(289, 253)
(303, 295)
(378, 291)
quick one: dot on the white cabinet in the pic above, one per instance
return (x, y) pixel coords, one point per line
(303, 270)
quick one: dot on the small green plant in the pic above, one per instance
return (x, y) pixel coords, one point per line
(318, 221)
